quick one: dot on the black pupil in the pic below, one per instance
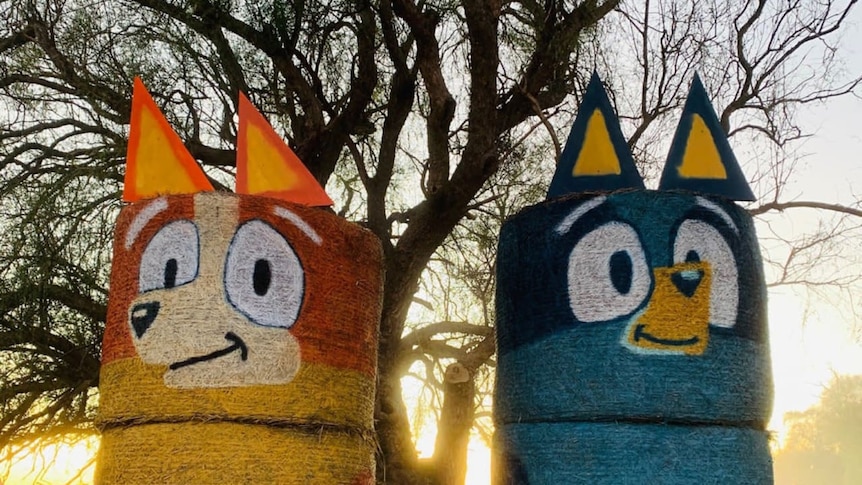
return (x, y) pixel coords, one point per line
(171, 273)
(692, 257)
(620, 267)
(262, 277)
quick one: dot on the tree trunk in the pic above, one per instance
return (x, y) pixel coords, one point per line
(456, 421)
(397, 462)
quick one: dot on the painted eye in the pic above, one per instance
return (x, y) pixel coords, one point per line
(170, 258)
(699, 241)
(263, 277)
(608, 273)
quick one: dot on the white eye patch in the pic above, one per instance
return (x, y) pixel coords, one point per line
(263, 277)
(699, 241)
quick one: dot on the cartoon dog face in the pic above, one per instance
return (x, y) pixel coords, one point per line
(237, 324)
(632, 322)
(224, 290)
(215, 298)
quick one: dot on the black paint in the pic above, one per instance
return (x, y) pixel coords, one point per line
(621, 271)
(640, 333)
(143, 315)
(262, 277)
(171, 273)
(687, 284)
(238, 344)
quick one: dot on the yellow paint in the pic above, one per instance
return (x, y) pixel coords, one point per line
(701, 159)
(597, 156)
(160, 169)
(269, 172)
(131, 389)
(223, 452)
(673, 316)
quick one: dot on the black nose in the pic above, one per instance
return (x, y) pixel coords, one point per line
(687, 281)
(143, 315)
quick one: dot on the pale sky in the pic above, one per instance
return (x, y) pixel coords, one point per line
(806, 352)
(811, 338)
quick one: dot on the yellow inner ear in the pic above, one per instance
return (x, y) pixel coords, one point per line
(597, 156)
(269, 172)
(701, 159)
(162, 171)
(265, 165)
(157, 162)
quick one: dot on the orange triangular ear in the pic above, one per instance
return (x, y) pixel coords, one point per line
(265, 165)
(157, 162)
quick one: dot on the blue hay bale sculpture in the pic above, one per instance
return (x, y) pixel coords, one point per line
(631, 324)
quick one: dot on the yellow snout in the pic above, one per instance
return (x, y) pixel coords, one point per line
(676, 319)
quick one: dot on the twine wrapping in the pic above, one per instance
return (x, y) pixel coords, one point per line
(642, 308)
(247, 336)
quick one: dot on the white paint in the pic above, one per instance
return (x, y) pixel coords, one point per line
(593, 297)
(711, 247)
(299, 223)
(707, 204)
(144, 216)
(177, 240)
(280, 302)
(579, 212)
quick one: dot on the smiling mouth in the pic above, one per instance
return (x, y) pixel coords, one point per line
(237, 344)
(640, 333)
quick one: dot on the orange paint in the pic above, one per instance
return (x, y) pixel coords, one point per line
(117, 341)
(276, 171)
(157, 162)
(337, 325)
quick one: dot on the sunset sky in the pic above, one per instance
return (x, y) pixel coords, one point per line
(812, 336)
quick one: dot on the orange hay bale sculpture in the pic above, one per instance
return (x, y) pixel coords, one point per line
(242, 329)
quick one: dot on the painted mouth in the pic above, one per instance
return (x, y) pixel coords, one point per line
(237, 344)
(640, 333)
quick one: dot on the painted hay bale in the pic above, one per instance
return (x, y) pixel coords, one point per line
(631, 324)
(241, 341)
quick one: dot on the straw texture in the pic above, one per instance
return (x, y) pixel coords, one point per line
(636, 454)
(232, 453)
(625, 322)
(132, 390)
(240, 345)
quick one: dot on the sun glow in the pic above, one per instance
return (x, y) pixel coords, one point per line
(807, 350)
(71, 462)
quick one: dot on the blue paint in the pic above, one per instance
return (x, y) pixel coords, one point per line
(574, 403)
(532, 301)
(637, 454)
(735, 187)
(584, 373)
(564, 182)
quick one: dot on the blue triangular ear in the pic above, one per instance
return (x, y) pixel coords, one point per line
(700, 157)
(596, 157)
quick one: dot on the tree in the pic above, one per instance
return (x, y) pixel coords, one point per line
(430, 122)
(824, 442)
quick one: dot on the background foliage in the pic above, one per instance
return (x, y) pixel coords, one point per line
(429, 121)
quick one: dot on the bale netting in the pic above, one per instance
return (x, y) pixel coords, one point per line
(240, 329)
(640, 308)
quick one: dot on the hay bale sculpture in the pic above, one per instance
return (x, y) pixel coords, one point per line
(631, 325)
(242, 328)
